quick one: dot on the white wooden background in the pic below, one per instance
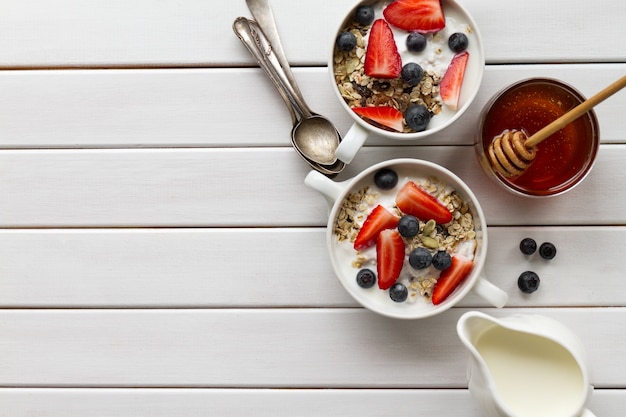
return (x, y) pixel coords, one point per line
(160, 255)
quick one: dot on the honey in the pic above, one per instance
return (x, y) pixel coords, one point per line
(564, 158)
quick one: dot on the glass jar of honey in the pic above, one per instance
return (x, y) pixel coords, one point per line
(563, 159)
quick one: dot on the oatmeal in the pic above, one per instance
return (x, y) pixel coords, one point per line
(361, 90)
(392, 72)
(407, 236)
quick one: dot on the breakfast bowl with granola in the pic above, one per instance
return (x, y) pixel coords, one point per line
(407, 238)
(404, 69)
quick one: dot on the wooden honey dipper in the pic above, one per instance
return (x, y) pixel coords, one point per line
(511, 152)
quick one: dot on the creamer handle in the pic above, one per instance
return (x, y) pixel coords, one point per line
(587, 413)
(352, 141)
(489, 292)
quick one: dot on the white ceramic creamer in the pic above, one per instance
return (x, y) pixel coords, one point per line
(525, 366)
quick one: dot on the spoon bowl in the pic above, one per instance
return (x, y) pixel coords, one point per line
(317, 138)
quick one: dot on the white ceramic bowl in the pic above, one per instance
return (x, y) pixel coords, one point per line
(457, 20)
(342, 254)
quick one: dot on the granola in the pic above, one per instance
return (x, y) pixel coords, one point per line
(401, 76)
(458, 235)
(360, 90)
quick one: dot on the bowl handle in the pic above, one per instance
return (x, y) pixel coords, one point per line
(352, 141)
(489, 292)
(330, 189)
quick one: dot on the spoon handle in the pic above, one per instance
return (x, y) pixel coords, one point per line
(262, 13)
(575, 113)
(249, 35)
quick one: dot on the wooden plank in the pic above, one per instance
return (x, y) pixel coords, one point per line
(191, 188)
(504, 29)
(258, 402)
(177, 108)
(165, 33)
(319, 348)
(147, 268)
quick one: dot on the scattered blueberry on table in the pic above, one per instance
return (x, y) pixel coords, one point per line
(528, 282)
(528, 246)
(547, 250)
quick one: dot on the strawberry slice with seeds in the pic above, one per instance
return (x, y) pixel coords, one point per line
(378, 220)
(383, 115)
(450, 86)
(424, 16)
(451, 278)
(414, 200)
(390, 254)
(382, 59)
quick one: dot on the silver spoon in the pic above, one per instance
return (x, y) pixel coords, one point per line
(316, 136)
(253, 38)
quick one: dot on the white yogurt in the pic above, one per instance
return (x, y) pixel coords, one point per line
(345, 254)
(437, 55)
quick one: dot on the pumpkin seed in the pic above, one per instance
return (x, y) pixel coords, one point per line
(429, 242)
(429, 227)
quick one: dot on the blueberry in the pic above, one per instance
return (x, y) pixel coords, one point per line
(398, 292)
(416, 42)
(408, 226)
(528, 246)
(420, 258)
(442, 260)
(458, 42)
(412, 73)
(346, 41)
(364, 15)
(366, 278)
(528, 282)
(417, 117)
(386, 179)
(547, 250)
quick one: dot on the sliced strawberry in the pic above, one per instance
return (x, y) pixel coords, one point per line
(384, 115)
(389, 257)
(450, 87)
(451, 278)
(382, 59)
(414, 200)
(424, 16)
(378, 220)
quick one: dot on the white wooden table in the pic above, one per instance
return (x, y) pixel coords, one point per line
(161, 256)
